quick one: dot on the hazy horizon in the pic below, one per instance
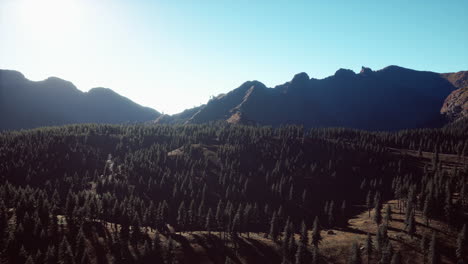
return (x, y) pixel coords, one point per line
(173, 55)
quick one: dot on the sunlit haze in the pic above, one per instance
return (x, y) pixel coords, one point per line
(173, 55)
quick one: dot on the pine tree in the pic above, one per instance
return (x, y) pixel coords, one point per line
(427, 211)
(287, 234)
(433, 257)
(315, 255)
(80, 243)
(209, 221)
(461, 243)
(388, 214)
(3, 221)
(369, 247)
(448, 208)
(411, 227)
(355, 256)
(408, 212)
(331, 214)
(343, 220)
(381, 238)
(29, 260)
(387, 253)
(65, 252)
(274, 227)
(181, 216)
(85, 258)
(424, 244)
(396, 259)
(39, 257)
(170, 248)
(304, 236)
(300, 253)
(369, 202)
(316, 236)
(51, 257)
(291, 244)
(378, 213)
(136, 228)
(22, 255)
(463, 192)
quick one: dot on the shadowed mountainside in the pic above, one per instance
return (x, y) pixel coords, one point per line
(28, 104)
(389, 99)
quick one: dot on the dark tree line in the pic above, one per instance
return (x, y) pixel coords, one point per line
(61, 186)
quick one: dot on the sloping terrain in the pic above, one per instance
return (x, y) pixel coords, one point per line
(100, 193)
(27, 104)
(392, 98)
(456, 105)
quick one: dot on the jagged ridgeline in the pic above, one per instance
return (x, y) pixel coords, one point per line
(144, 194)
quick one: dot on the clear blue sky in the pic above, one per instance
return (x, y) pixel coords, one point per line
(172, 55)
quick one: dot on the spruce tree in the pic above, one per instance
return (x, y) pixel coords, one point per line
(396, 259)
(424, 244)
(65, 253)
(29, 260)
(291, 243)
(300, 253)
(355, 256)
(274, 227)
(461, 243)
(343, 220)
(428, 210)
(369, 247)
(304, 235)
(378, 213)
(463, 192)
(209, 221)
(408, 212)
(433, 257)
(51, 256)
(287, 234)
(315, 255)
(448, 208)
(388, 214)
(411, 227)
(85, 258)
(316, 236)
(181, 216)
(369, 202)
(387, 253)
(331, 214)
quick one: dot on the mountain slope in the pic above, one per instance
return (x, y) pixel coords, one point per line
(456, 105)
(28, 104)
(389, 99)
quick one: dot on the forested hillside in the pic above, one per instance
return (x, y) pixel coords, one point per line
(221, 193)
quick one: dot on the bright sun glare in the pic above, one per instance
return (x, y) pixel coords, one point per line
(43, 19)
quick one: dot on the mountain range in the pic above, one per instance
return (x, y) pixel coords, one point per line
(392, 98)
(28, 104)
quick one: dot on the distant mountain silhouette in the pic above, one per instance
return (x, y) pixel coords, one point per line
(28, 104)
(388, 99)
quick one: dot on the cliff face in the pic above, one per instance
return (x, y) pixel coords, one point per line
(456, 104)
